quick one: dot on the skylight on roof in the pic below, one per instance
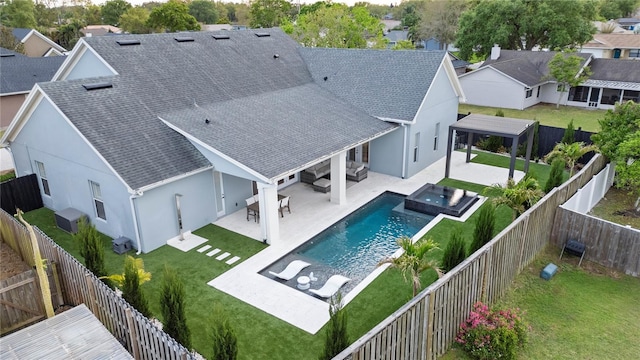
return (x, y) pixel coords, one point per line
(96, 86)
(262, 34)
(184, 39)
(220, 36)
(128, 42)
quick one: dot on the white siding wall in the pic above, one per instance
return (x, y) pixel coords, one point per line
(486, 87)
(88, 66)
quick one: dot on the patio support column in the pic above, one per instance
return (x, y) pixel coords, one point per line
(514, 154)
(269, 221)
(469, 141)
(339, 178)
(530, 135)
(447, 167)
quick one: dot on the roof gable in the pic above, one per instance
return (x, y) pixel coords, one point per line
(20, 73)
(614, 41)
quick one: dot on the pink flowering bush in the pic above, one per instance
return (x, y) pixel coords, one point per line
(492, 334)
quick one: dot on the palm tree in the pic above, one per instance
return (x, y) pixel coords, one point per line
(518, 196)
(569, 153)
(413, 260)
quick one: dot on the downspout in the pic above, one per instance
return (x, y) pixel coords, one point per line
(135, 221)
(404, 150)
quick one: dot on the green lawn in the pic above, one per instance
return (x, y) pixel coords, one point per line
(261, 336)
(547, 114)
(581, 313)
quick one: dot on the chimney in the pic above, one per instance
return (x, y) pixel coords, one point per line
(495, 52)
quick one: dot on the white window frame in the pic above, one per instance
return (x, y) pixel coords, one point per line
(43, 178)
(98, 202)
(416, 148)
(528, 93)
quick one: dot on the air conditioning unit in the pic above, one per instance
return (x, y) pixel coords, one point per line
(68, 219)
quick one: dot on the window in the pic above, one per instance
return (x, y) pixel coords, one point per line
(610, 96)
(97, 200)
(634, 53)
(560, 88)
(538, 94)
(529, 93)
(416, 146)
(578, 93)
(631, 95)
(43, 178)
(435, 138)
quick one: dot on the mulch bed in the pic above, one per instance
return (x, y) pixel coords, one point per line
(10, 262)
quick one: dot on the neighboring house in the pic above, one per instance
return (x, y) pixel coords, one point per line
(18, 74)
(629, 23)
(390, 24)
(136, 126)
(512, 79)
(36, 44)
(610, 27)
(217, 27)
(395, 36)
(100, 30)
(613, 46)
(612, 80)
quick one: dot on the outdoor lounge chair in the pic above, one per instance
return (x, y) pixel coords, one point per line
(331, 287)
(291, 270)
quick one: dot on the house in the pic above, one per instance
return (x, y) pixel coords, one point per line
(395, 36)
(629, 23)
(613, 46)
(519, 79)
(36, 44)
(19, 74)
(100, 30)
(154, 135)
(513, 79)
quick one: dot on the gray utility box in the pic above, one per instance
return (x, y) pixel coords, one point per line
(121, 245)
(68, 219)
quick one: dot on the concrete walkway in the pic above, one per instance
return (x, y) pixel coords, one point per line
(312, 212)
(6, 161)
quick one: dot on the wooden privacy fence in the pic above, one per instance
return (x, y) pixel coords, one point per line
(21, 303)
(608, 244)
(79, 286)
(426, 327)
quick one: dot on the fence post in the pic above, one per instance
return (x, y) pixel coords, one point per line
(485, 271)
(133, 339)
(430, 320)
(92, 295)
(523, 239)
(56, 282)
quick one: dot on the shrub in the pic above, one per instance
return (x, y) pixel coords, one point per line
(131, 290)
(569, 134)
(225, 341)
(492, 143)
(8, 176)
(500, 113)
(492, 334)
(173, 307)
(91, 248)
(336, 338)
(485, 225)
(555, 175)
(454, 253)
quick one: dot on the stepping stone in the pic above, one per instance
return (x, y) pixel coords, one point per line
(204, 248)
(224, 255)
(232, 260)
(213, 252)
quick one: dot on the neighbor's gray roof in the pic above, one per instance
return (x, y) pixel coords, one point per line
(384, 83)
(20, 33)
(304, 122)
(624, 70)
(528, 67)
(164, 77)
(492, 125)
(20, 73)
(7, 52)
(73, 334)
(397, 35)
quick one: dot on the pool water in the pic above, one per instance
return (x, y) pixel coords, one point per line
(355, 245)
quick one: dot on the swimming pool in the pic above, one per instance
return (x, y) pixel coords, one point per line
(354, 246)
(434, 199)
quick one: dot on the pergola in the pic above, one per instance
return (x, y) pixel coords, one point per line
(493, 125)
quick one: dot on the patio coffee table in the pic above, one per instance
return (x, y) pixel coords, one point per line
(303, 282)
(322, 185)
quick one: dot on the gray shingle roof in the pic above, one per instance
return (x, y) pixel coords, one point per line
(20, 33)
(615, 70)
(529, 67)
(7, 52)
(275, 119)
(20, 73)
(384, 83)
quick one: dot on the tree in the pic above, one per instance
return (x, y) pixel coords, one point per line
(134, 21)
(404, 45)
(617, 140)
(555, 175)
(91, 248)
(225, 341)
(454, 253)
(569, 135)
(204, 11)
(68, 34)
(413, 260)
(518, 196)
(45, 17)
(439, 20)
(173, 307)
(569, 153)
(19, 14)
(524, 25)
(131, 281)
(485, 226)
(336, 336)
(112, 10)
(92, 14)
(8, 41)
(269, 13)
(172, 16)
(337, 26)
(566, 68)
(609, 9)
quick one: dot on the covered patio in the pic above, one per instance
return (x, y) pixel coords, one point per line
(492, 125)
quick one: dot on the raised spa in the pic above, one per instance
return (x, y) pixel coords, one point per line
(434, 199)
